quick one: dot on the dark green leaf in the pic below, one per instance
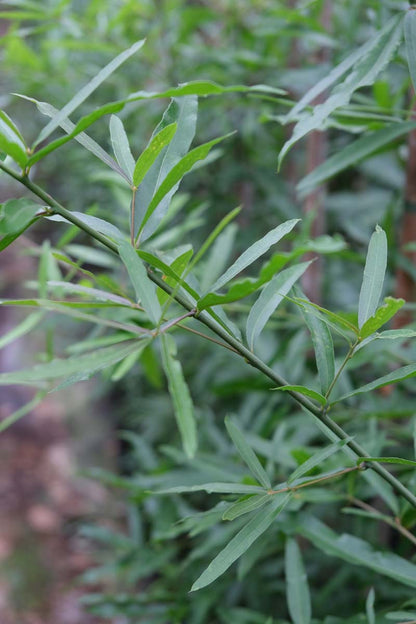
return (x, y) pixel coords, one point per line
(317, 396)
(11, 141)
(373, 279)
(387, 460)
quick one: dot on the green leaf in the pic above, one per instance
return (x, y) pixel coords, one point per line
(152, 151)
(176, 174)
(322, 344)
(247, 453)
(86, 365)
(23, 328)
(317, 396)
(121, 146)
(373, 279)
(383, 315)
(369, 607)
(183, 112)
(22, 411)
(100, 225)
(410, 39)
(145, 289)
(182, 402)
(297, 589)
(75, 131)
(358, 552)
(245, 505)
(260, 522)
(364, 73)
(335, 320)
(387, 460)
(255, 251)
(269, 299)
(354, 153)
(11, 141)
(16, 215)
(86, 91)
(397, 375)
(203, 88)
(317, 459)
(214, 488)
(244, 287)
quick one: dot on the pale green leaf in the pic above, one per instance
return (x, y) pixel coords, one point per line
(100, 225)
(255, 251)
(214, 488)
(355, 152)
(121, 146)
(152, 151)
(86, 91)
(384, 313)
(182, 402)
(397, 375)
(247, 453)
(373, 279)
(270, 298)
(23, 328)
(322, 344)
(245, 505)
(369, 607)
(364, 73)
(238, 545)
(87, 364)
(358, 552)
(144, 288)
(297, 588)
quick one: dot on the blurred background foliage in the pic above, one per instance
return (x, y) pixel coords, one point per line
(48, 51)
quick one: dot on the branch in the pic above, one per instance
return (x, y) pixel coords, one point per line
(207, 320)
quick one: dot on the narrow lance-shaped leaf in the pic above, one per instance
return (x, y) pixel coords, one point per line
(260, 522)
(398, 375)
(388, 460)
(121, 146)
(373, 279)
(16, 215)
(183, 112)
(87, 364)
(86, 91)
(357, 551)
(177, 172)
(145, 289)
(355, 152)
(322, 344)
(297, 588)
(152, 151)
(214, 488)
(11, 141)
(312, 394)
(247, 453)
(182, 402)
(245, 505)
(269, 299)
(255, 251)
(365, 71)
(410, 39)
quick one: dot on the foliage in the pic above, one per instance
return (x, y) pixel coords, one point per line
(296, 472)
